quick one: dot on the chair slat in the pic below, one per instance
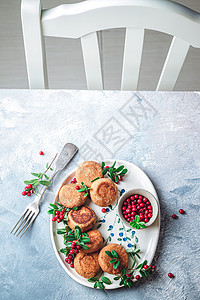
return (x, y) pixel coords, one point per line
(34, 44)
(92, 63)
(173, 65)
(132, 58)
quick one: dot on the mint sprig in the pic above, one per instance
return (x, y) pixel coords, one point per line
(137, 224)
(84, 189)
(115, 258)
(115, 174)
(99, 282)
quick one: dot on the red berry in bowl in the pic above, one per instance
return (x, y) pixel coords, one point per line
(170, 275)
(181, 211)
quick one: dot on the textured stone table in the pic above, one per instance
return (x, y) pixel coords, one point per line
(159, 132)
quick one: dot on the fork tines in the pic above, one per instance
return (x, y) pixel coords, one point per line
(24, 222)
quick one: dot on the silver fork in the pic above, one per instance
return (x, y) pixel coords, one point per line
(32, 210)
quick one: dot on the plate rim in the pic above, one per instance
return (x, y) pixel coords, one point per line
(109, 287)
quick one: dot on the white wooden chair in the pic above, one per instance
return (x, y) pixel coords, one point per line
(83, 20)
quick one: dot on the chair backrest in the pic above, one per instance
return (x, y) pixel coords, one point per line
(83, 20)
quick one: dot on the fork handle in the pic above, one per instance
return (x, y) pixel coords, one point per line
(38, 198)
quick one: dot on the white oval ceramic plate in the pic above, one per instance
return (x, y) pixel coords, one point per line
(112, 227)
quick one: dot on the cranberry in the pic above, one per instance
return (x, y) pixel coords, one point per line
(136, 196)
(128, 219)
(29, 186)
(139, 201)
(106, 167)
(58, 220)
(54, 219)
(140, 197)
(73, 245)
(150, 211)
(24, 193)
(57, 212)
(181, 211)
(170, 275)
(128, 210)
(142, 205)
(72, 265)
(78, 247)
(132, 198)
(123, 208)
(132, 214)
(41, 153)
(153, 267)
(77, 187)
(146, 220)
(149, 216)
(103, 210)
(129, 215)
(147, 203)
(28, 194)
(61, 217)
(69, 256)
(174, 216)
(71, 251)
(76, 251)
(125, 203)
(146, 212)
(141, 216)
(137, 277)
(132, 218)
(134, 209)
(128, 200)
(149, 207)
(66, 259)
(62, 210)
(127, 275)
(145, 199)
(146, 267)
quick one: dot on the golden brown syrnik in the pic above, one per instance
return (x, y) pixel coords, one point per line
(70, 197)
(88, 171)
(87, 265)
(103, 192)
(84, 217)
(104, 259)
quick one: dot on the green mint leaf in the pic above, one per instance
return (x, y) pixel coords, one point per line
(116, 265)
(100, 285)
(106, 280)
(61, 231)
(120, 168)
(92, 279)
(50, 211)
(81, 190)
(75, 208)
(116, 278)
(123, 172)
(113, 164)
(53, 205)
(137, 218)
(45, 182)
(47, 177)
(130, 284)
(51, 169)
(104, 171)
(109, 253)
(86, 194)
(85, 239)
(103, 164)
(123, 272)
(94, 179)
(114, 253)
(47, 164)
(35, 174)
(84, 246)
(113, 260)
(95, 285)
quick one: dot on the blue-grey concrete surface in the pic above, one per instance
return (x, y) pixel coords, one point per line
(158, 131)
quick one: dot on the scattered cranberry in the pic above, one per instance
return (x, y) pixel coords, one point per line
(41, 153)
(146, 267)
(28, 194)
(29, 186)
(127, 275)
(62, 210)
(106, 167)
(103, 210)
(78, 247)
(57, 212)
(24, 193)
(61, 217)
(137, 277)
(58, 220)
(76, 251)
(71, 251)
(181, 211)
(72, 265)
(54, 219)
(170, 275)
(174, 216)
(153, 267)
(77, 187)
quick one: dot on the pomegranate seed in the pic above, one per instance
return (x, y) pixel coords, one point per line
(77, 187)
(174, 216)
(103, 210)
(181, 211)
(72, 265)
(137, 277)
(78, 247)
(24, 193)
(170, 275)
(146, 267)
(41, 153)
